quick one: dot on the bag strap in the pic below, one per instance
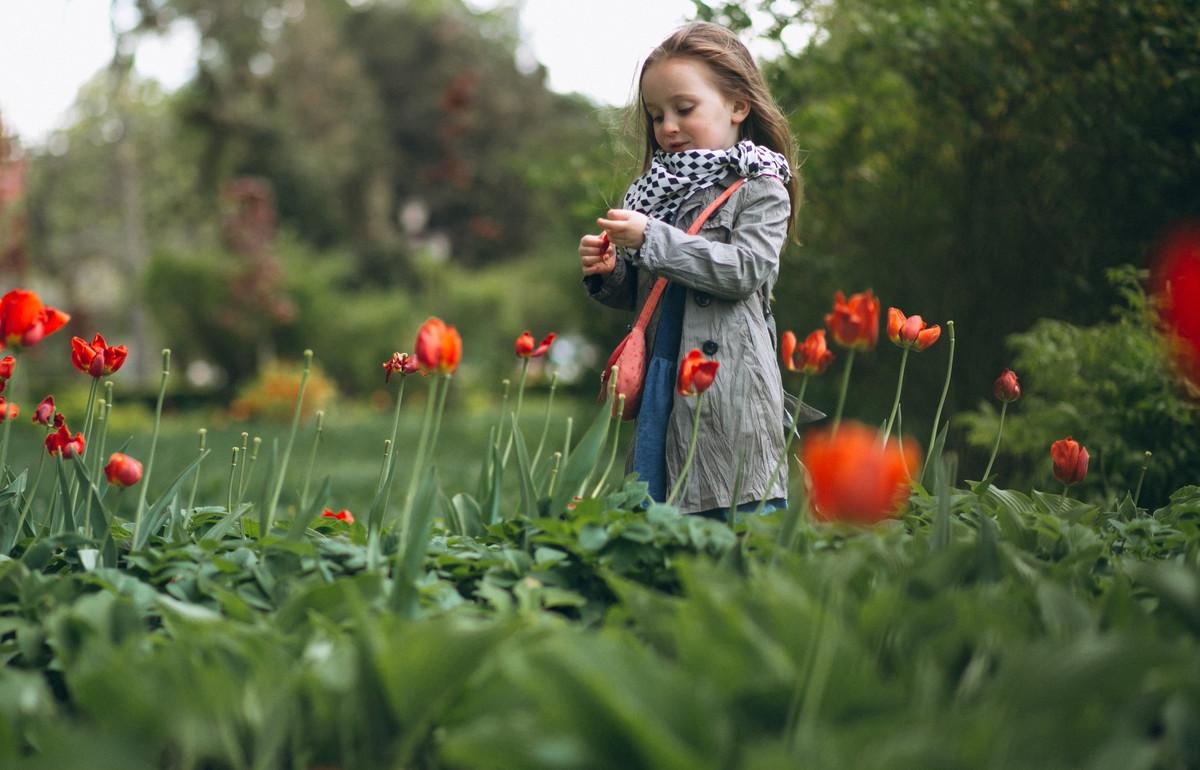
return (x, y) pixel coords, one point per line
(660, 285)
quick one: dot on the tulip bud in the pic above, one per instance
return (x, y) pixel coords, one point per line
(6, 367)
(1007, 387)
(696, 374)
(44, 411)
(122, 470)
(1070, 460)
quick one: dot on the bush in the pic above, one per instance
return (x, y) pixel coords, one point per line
(1111, 387)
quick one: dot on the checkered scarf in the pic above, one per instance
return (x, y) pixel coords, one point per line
(674, 177)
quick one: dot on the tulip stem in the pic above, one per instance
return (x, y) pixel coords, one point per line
(887, 430)
(162, 390)
(612, 456)
(517, 412)
(996, 445)
(233, 465)
(545, 424)
(7, 426)
(691, 453)
(419, 458)
(787, 448)
(312, 458)
(105, 404)
(937, 417)
(837, 415)
(1141, 477)
(268, 516)
(395, 429)
(203, 433)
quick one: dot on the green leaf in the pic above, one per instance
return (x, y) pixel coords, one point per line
(303, 519)
(156, 513)
(525, 473)
(583, 459)
(468, 513)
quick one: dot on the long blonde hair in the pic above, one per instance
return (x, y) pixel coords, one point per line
(737, 77)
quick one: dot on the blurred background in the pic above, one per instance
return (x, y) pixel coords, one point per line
(326, 174)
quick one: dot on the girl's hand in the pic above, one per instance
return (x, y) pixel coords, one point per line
(625, 228)
(597, 255)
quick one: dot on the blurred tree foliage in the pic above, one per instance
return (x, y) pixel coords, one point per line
(983, 162)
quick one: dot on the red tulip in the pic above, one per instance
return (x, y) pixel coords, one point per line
(8, 410)
(6, 367)
(856, 478)
(402, 363)
(525, 347)
(813, 356)
(854, 323)
(97, 358)
(44, 411)
(1007, 387)
(342, 515)
(24, 320)
(1070, 460)
(696, 374)
(122, 470)
(1177, 282)
(911, 331)
(439, 347)
(62, 441)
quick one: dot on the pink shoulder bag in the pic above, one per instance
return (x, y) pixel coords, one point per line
(630, 355)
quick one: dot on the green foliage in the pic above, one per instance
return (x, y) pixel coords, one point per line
(1111, 386)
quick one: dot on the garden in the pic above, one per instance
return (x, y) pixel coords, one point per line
(319, 490)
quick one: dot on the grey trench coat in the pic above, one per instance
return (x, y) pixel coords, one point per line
(729, 269)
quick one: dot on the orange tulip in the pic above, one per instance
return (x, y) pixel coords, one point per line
(854, 323)
(813, 356)
(439, 347)
(24, 320)
(97, 357)
(854, 477)
(1070, 460)
(8, 410)
(911, 331)
(696, 374)
(122, 470)
(1007, 387)
(526, 349)
(342, 515)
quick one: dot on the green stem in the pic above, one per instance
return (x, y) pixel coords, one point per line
(566, 452)
(232, 472)
(437, 420)
(312, 454)
(1141, 477)
(837, 415)
(162, 390)
(105, 405)
(887, 431)
(395, 429)
(517, 412)
(196, 479)
(554, 473)
(7, 422)
(37, 479)
(269, 514)
(787, 450)
(996, 445)
(937, 417)
(419, 458)
(245, 453)
(385, 468)
(1066, 489)
(687, 463)
(612, 455)
(545, 423)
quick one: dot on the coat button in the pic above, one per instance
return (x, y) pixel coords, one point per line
(710, 347)
(702, 299)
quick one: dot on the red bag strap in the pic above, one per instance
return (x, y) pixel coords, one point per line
(660, 285)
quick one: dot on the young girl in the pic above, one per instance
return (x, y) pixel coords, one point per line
(709, 121)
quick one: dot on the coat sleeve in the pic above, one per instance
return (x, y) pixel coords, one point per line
(734, 270)
(616, 289)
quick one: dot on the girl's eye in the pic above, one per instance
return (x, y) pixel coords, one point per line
(685, 110)
(656, 118)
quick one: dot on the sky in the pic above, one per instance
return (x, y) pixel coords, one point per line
(49, 48)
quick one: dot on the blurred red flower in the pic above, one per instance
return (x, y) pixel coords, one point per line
(62, 441)
(401, 363)
(854, 323)
(854, 477)
(525, 346)
(24, 320)
(1177, 284)
(911, 331)
(6, 367)
(97, 357)
(8, 410)
(122, 470)
(342, 515)
(439, 347)
(812, 356)
(696, 374)
(1007, 387)
(44, 411)
(1070, 460)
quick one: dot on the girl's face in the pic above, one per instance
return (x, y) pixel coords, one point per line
(687, 110)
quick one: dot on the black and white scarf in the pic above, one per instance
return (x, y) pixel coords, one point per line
(673, 177)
